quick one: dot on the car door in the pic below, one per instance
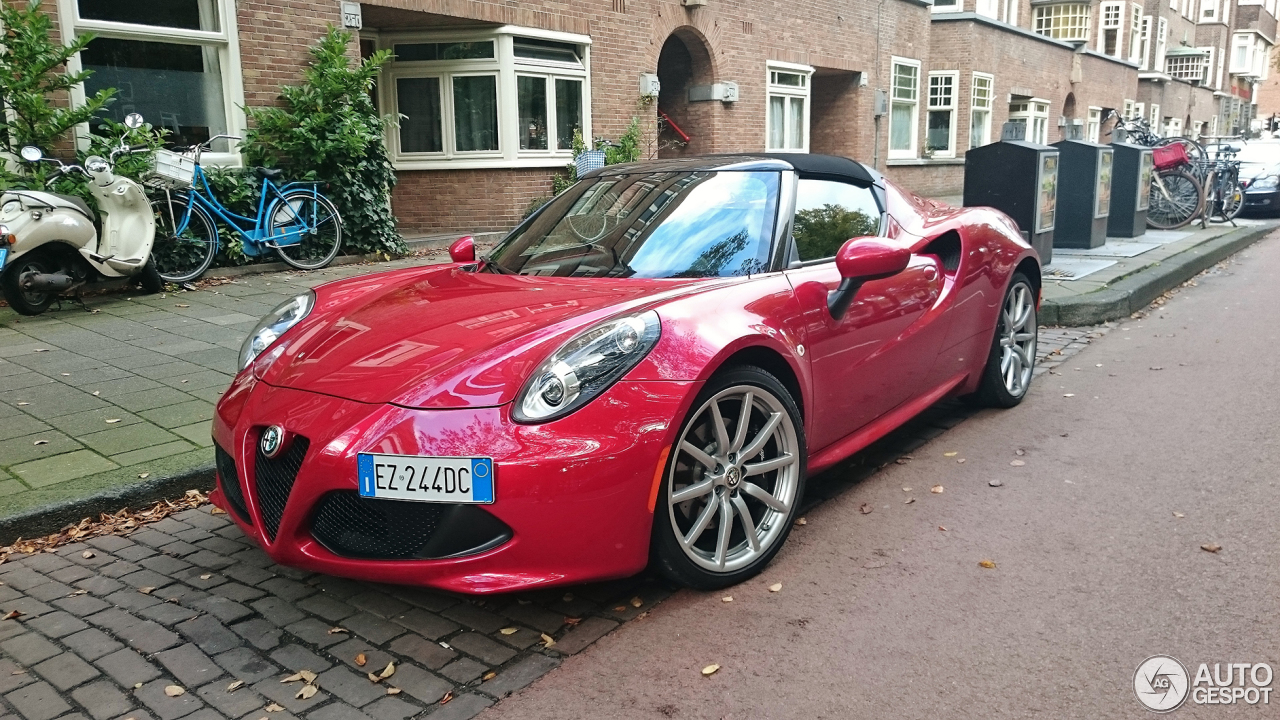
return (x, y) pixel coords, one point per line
(865, 363)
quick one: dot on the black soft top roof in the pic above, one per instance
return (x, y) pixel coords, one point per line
(829, 167)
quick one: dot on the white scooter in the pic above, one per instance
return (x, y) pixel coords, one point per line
(50, 245)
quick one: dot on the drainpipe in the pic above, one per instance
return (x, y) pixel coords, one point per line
(875, 151)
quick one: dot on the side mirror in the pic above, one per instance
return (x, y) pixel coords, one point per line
(31, 153)
(133, 121)
(862, 259)
(463, 250)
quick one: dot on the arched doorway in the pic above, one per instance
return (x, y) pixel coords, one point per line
(1072, 130)
(686, 128)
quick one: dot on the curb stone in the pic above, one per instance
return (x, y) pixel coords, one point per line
(1134, 292)
(45, 519)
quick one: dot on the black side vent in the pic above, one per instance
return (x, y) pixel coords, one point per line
(358, 527)
(947, 248)
(274, 479)
(229, 481)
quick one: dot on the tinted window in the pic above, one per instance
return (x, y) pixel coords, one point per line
(829, 213)
(650, 225)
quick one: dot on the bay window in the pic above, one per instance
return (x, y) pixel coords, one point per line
(904, 108)
(1063, 21)
(175, 62)
(505, 98)
(1033, 114)
(788, 107)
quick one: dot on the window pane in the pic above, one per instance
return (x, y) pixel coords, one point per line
(546, 50)
(790, 79)
(532, 96)
(414, 52)
(419, 102)
(475, 112)
(777, 122)
(795, 139)
(978, 128)
(185, 14)
(830, 213)
(939, 131)
(568, 112)
(178, 87)
(900, 127)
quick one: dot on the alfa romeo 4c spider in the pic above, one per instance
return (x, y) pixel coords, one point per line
(646, 370)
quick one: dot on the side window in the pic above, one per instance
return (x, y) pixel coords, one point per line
(829, 213)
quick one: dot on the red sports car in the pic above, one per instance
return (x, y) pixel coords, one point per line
(645, 370)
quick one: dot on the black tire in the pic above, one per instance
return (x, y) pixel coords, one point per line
(322, 237)
(182, 258)
(770, 525)
(149, 277)
(1184, 203)
(993, 390)
(22, 301)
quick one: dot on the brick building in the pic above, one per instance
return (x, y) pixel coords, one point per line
(490, 92)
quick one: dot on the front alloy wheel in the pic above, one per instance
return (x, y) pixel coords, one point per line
(733, 483)
(1007, 374)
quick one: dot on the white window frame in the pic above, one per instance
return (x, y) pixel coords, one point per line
(1011, 11)
(953, 107)
(1144, 61)
(1135, 31)
(1190, 68)
(1245, 41)
(1173, 128)
(1140, 111)
(1115, 23)
(1155, 116)
(1208, 79)
(915, 109)
(1213, 125)
(225, 40)
(1043, 17)
(787, 91)
(506, 67)
(988, 8)
(1035, 113)
(976, 105)
(1093, 126)
(1127, 112)
(1209, 11)
(1162, 42)
(955, 7)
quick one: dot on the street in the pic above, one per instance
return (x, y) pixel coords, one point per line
(1157, 439)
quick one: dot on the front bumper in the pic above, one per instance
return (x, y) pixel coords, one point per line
(575, 493)
(1262, 201)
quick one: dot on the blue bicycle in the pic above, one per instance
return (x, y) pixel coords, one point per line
(294, 220)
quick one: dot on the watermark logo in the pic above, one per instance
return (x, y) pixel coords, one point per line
(1161, 683)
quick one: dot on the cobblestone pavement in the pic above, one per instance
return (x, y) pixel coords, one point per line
(108, 625)
(91, 398)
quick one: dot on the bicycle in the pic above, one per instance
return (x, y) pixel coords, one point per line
(294, 220)
(1223, 191)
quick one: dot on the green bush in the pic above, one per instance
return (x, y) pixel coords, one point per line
(327, 129)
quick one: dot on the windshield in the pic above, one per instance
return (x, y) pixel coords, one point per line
(650, 225)
(1256, 153)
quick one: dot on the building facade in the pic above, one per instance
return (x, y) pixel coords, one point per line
(489, 94)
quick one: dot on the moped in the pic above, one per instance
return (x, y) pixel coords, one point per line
(51, 244)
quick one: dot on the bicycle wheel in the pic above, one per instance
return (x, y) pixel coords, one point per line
(182, 257)
(1176, 199)
(1195, 151)
(309, 217)
(1232, 201)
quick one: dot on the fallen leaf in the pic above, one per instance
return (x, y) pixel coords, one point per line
(547, 640)
(374, 678)
(307, 676)
(97, 393)
(388, 671)
(12, 614)
(182, 305)
(995, 483)
(942, 528)
(1211, 547)
(1178, 515)
(775, 587)
(727, 598)
(113, 420)
(292, 678)
(235, 686)
(206, 576)
(488, 676)
(307, 692)
(802, 521)
(447, 697)
(509, 631)
(144, 476)
(1019, 452)
(87, 554)
(396, 691)
(710, 669)
(336, 630)
(937, 489)
(988, 564)
(146, 590)
(66, 374)
(137, 685)
(568, 597)
(42, 349)
(273, 707)
(636, 602)
(174, 691)
(361, 660)
(1156, 367)
(1017, 463)
(217, 511)
(908, 501)
(902, 461)
(40, 442)
(571, 622)
(23, 403)
(620, 608)
(865, 508)
(950, 454)
(905, 489)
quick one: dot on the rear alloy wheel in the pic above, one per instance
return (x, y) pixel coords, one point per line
(1007, 375)
(733, 482)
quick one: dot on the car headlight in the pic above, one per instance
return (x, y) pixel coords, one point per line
(586, 366)
(1270, 182)
(284, 316)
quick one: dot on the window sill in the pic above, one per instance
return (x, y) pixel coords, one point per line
(483, 163)
(919, 162)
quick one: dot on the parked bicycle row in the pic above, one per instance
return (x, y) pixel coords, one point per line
(167, 228)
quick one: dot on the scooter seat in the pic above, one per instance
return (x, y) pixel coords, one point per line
(79, 203)
(268, 173)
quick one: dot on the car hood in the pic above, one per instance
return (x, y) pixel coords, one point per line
(1255, 170)
(445, 337)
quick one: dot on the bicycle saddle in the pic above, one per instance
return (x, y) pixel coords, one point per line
(268, 173)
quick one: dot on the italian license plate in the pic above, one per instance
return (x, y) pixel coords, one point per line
(426, 479)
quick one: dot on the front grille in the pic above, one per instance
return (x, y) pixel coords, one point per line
(274, 479)
(353, 526)
(229, 481)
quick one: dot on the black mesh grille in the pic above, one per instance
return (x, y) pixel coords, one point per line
(229, 481)
(354, 526)
(274, 480)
